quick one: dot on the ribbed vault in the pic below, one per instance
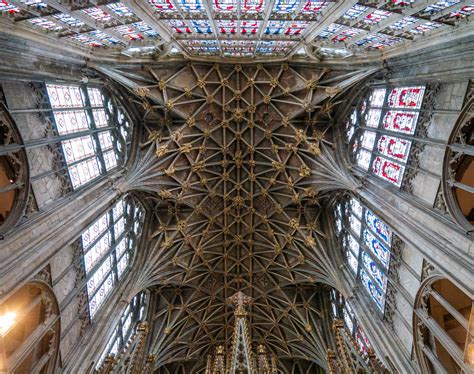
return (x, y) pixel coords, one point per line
(235, 161)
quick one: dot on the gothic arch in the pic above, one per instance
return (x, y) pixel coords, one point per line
(458, 169)
(14, 173)
(443, 326)
(31, 329)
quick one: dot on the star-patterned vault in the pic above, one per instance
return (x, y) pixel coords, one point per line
(236, 160)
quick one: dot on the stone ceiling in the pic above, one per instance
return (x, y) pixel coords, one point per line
(231, 29)
(236, 161)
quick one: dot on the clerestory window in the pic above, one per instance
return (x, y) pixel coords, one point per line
(93, 130)
(108, 246)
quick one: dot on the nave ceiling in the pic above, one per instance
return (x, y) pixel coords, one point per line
(238, 164)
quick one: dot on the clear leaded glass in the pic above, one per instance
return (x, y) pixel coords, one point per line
(108, 245)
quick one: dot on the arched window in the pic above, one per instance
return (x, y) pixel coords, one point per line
(108, 246)
(341, 309)
(92, 129)
(366, 241)
(458, 170)
(29, 330)
(381, 130)
(443, 327)
(14, 176)
(135, 312)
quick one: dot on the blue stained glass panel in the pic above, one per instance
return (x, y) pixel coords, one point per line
(377, 248)
(285, 6)
(377, 275)
(191, 6)
(371, 288)
(378, 226)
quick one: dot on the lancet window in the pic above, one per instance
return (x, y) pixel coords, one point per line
(134, 313)
(381, 130)
(341, 309)
(92, 128)
(366, 241)
(108, 246)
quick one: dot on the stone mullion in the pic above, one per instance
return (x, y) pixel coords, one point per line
(426, 226)
(41, 142)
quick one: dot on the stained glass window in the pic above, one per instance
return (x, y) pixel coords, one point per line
(134, 313)
(81, 111)
(375, 127)
(108, 245)
(366, 242)
(343, 310)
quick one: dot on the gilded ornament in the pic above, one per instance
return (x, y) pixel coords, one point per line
(198, 166)
(305, 171)
(308, 327)
(294, 223)
(161, 151)
(238, 67)
(251, 124)
(285, 66)
(201, 83)
(250, 82)
(190, 121)
(309, 240)
(188, 93)
(285, 121)
(167, 243)
(266, 99)
(311, 84)
(277, 249)
(300, 136)
(141, 91)
(161, 85)
(278, 166)
(251, 108)
(203, 181)
(155, 136)
(296, 198)
(314, 149)
(165, 194)
(170, 171)
(169, 105)
(237, 95)
(273, 82)
(186, 148)
(209, 99)
(182, 225)
(279, 208)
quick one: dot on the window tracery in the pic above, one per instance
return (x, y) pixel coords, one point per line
(330, 30)
(108, 246)
(458, 168)
(14, 173)
(93, 130)
(30, 330)
(367, 243)
(134, 313)
(443, 329)
(341, 309)
(381, 129)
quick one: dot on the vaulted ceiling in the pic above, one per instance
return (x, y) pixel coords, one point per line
(236, 161)
(231, 29)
